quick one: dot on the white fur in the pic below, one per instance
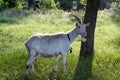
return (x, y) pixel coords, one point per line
(48, 45)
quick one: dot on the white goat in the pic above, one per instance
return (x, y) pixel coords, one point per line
(53, 45)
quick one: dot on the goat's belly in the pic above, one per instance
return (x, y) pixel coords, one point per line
(50, 49)
(47, 55)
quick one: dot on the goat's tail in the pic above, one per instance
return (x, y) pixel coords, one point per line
(28, 50)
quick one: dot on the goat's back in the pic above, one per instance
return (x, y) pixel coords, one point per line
(49, 43)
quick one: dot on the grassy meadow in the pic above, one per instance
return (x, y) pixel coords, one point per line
(16, 26)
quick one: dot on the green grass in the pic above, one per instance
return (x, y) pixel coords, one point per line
(16, 26)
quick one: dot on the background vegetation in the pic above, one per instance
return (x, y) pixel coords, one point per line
(17, 25)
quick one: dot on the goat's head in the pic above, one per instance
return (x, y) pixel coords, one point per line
(80, 26)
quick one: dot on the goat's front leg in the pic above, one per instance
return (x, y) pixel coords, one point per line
(56, 62)
(64, 61)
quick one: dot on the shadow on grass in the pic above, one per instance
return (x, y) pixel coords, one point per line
(83, 70)
(53, 75)
(33, 76)
(22, 77)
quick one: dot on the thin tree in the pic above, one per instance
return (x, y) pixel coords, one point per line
(90, 16)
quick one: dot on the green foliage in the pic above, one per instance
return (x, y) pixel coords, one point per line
(64, 4)
(46, 4)
(60, 4)
(11, 4)
(84, 2)
(104, 64)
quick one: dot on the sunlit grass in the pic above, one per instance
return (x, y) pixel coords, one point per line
(16, 30)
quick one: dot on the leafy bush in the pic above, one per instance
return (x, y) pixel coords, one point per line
(46, 4)
(4, 4)
(64, 4)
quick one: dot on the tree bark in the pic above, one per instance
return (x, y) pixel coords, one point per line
(90, 16)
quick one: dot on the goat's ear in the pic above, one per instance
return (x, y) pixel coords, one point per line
(87, 24)
(77, 24)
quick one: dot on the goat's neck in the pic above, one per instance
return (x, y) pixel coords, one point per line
(72, 34)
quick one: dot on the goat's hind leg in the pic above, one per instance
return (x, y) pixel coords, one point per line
(37, 56)
(30, 62)
(36, 59)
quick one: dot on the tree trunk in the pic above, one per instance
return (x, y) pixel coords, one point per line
(90, 16)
